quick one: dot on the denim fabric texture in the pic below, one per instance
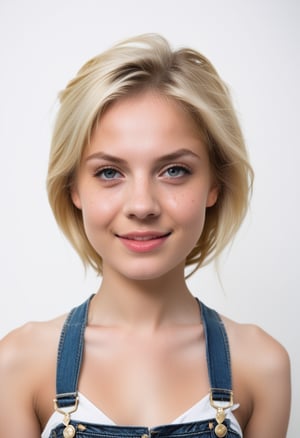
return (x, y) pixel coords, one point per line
(201, 429)
(68, 368)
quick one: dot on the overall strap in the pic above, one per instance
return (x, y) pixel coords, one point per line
(71, 349)
(218, 355)
(69, 357)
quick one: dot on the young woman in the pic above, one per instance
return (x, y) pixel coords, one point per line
(148, 174)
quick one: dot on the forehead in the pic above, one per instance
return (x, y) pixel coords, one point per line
(144, 130)
(146, 115)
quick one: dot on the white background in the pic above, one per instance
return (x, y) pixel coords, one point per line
(255, 47)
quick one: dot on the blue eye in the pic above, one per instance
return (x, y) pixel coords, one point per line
(108, 173)
(176, 171)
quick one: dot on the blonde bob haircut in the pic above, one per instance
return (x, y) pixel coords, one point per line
(147, 62)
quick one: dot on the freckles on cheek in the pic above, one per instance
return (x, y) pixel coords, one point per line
(189, 210)
(181, 202)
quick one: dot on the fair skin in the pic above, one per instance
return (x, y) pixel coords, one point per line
(143, 186)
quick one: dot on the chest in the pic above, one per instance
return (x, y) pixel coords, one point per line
(142, 379)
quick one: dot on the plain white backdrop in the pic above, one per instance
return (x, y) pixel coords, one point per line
(255, 47)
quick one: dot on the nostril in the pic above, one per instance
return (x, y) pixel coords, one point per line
(142, 205)
(143, 215)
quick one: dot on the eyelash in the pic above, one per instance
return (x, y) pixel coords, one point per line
(183, 170)
(100, 173)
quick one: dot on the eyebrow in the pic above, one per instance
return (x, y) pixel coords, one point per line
(168, 157)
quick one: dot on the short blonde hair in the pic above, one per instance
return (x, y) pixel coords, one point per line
(136, 64)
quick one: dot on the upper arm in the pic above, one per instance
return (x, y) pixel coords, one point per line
(271, 389)
(17, 413)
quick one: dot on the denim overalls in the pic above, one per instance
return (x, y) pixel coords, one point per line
(68, 369)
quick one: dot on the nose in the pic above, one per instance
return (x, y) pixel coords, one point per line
(142, 201)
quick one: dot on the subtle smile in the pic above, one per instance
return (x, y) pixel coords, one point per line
(143, 241)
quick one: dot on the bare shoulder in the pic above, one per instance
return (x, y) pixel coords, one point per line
(27, 376)
(261, 372)
(258, 347)
(25, 351)
(27, 342)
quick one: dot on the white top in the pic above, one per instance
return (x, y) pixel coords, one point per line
(89, 413)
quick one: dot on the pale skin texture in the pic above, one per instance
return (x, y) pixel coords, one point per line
(144, 335)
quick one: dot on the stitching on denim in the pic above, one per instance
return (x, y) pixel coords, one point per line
(81, 340)
(162, 431)
(63, 338)
(210, 313)
(72, 322)
(227, 347)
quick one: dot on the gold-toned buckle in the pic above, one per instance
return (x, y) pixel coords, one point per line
(69, 410)
(220, 406)
(219, 403)
(69, 431)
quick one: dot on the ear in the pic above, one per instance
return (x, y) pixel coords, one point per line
(75, 196)
(212, 196)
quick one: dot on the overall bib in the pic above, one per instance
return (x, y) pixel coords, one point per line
(68, 368)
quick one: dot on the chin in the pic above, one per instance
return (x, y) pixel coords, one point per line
(148, 273)
(143, 276)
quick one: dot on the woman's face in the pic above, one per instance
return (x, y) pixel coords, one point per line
(143, 187)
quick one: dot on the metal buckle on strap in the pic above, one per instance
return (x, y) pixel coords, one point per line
(221, 406)
(225, 404)
(70, 409)
(69, 431)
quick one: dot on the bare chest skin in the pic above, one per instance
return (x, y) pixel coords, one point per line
(149, 374)
(141, 378)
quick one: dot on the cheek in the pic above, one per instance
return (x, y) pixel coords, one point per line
(196, 214)
(96, 212)
(192, 197)
(189, 210)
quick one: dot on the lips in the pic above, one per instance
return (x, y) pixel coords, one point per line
(144, 241)
(143, 236)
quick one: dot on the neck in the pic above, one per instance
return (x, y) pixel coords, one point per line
(146, 304)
